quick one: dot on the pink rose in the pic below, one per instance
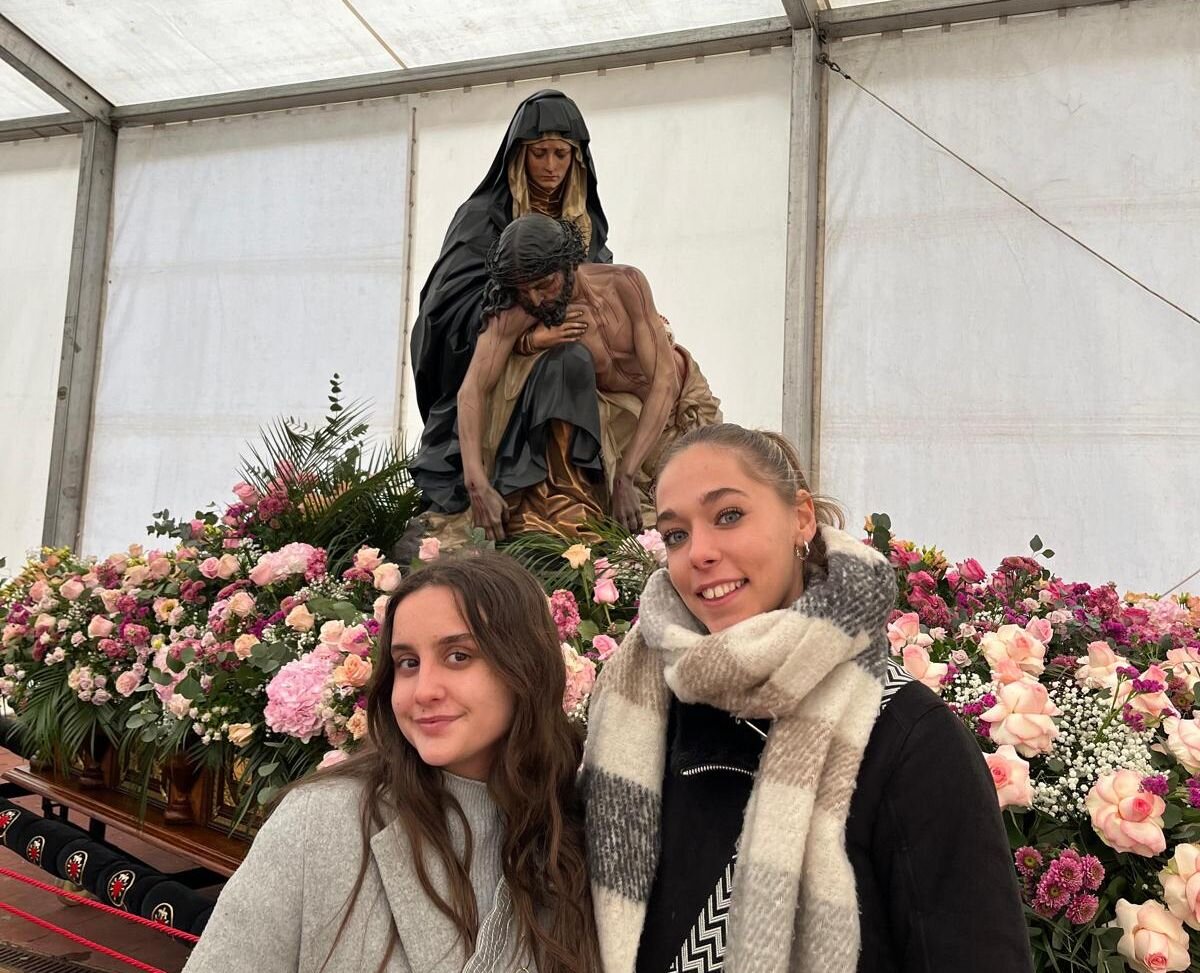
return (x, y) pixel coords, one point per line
(1023, 716)
(906, 630)
(367, 559)
(651, 541)
(1181, 884)
(386, 577)
(178, 706)
(379, 607)
(242, 604)
(210, 567)
(1010, 774)
(127, 682)
(300, 619)
(38, 590)
(1182, 663)
(431, 547)
(971, 571)
(136, 576)
(1127, 818)
(1098, 669)
(158, 568)
(110, 597)
(355, 671)
(1040, 629)
(604, 646)
(71, 589)
(1183, 742)
(1153, 940)
(331, 759)
(1008, 671)
(581, 676)
(100, 627)
(917, 664)
(246, 493)
(605, 592)
(1013, 642)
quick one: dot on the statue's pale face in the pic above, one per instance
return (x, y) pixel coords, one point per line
(547, 163)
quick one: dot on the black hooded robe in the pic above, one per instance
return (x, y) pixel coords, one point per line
(562, 384)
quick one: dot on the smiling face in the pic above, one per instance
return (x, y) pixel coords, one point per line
(448, 700)
(547, 163)
(730, 537)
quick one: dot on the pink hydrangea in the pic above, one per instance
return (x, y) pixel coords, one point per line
(277, 565)
(294, 697)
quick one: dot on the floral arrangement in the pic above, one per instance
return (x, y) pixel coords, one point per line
(1083, 704)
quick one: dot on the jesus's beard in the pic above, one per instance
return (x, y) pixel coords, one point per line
(553, 313)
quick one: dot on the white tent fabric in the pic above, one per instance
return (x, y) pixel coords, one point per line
(251, 259)
(38, 182)
(146, 50)
(692, 162)
(983, 377)
(21, 98)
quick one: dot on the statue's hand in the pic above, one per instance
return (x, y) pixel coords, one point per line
(574, 328)
(489, 511)
(626, 507)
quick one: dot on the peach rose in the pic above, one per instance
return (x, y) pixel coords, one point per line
(577, 555)
(1010, 774)
(1155, 706)
(100, 627)
(38, 590)
(227, 567)
(127, 682)
(1182, 663)
(240, 734)
(357, 724)
(300, 619)
(242, 604)
(1181, 884)
(243, 645)
(136, 576)
(331, 632)
(917, 664)
(110, 597)
(1127, 818)
(431, 548)
(1153, 940)
(1183, 742)
(355, 671)
(386, 577)
(71, 589)
(1013, 642)
(906, 630)
(1098, 669)
(159, 567)
(1023, 716)
(1008, 671)
(178, 706)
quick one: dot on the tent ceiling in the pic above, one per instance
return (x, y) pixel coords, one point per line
(135, 51)
(21, 98)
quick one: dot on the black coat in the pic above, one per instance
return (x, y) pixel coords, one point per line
(449, 317)
(937, 889)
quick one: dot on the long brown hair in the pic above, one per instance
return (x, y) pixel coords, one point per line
(532, 780)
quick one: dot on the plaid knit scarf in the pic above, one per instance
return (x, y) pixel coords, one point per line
(816, 670)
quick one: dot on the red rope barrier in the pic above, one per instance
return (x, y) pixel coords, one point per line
(121, 957)
(157, 926)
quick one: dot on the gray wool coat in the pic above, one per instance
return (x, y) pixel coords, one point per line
(281, 910)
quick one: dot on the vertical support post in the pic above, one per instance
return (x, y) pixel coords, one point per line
(800, 310)
(63, 522)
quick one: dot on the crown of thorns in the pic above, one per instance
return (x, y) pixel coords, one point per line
(531, 256)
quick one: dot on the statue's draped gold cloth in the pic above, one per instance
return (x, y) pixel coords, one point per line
(566, 498)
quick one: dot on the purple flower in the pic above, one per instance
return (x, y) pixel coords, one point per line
(1052, 895)
(1065, 662)
(1028, 860)
(1133, 719)
(1193, 788)
(1093, 873)
(565, 610)
(1156, 784)
(1147, 686)
(1129, 672)
(1067, 872)
(988, 700)
(1082, 909)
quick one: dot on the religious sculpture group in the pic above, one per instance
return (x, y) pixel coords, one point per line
(548, 382)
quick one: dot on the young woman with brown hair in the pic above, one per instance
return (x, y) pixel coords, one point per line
(455, 842)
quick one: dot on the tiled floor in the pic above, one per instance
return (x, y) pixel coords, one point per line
(135, 941)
